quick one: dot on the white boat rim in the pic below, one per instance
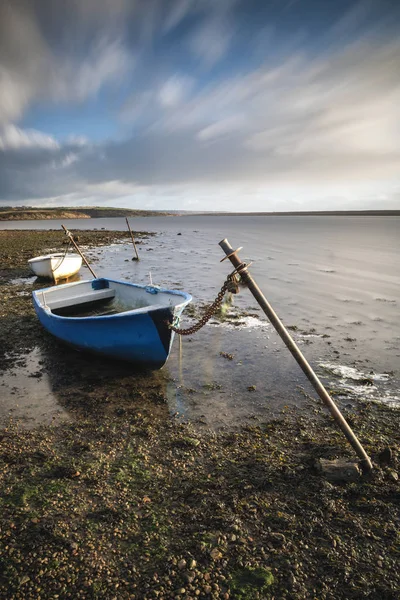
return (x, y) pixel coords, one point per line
(48, 256)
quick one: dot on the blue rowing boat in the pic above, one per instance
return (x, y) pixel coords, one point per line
(118, 319)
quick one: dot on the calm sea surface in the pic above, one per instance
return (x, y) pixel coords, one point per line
(334, 280)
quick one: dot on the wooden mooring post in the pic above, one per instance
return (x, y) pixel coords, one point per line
(69, 234)
(133, 240)
(248, 280)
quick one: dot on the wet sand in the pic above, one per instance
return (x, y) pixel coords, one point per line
(114, 497)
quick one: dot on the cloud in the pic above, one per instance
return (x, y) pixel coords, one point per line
(338, 106)
(66, 58)
(222, 128)
(14, 138)
(23, 56)
(210, 42)
(303, 122)
(136, 106)
(194, 105)
(74, 79)
(175, 90)
(35, 165)
(177, 12)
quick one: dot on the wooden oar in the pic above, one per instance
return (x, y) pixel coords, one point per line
(69, 234)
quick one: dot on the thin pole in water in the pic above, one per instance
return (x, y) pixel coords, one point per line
(69, 234)
(133, 240)
(248, 280)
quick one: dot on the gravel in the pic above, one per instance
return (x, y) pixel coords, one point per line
(117, 503)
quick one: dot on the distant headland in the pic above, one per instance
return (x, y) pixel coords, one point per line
(9, 213)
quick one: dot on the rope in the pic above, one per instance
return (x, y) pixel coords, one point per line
(229, 285)
(63, 258)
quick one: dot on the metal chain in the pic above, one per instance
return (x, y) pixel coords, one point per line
(229, 284)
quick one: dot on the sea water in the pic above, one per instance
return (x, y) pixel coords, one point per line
(334, 281)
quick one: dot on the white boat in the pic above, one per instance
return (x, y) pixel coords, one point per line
(56, 266)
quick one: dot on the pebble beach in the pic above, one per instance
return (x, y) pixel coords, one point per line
(117, 498)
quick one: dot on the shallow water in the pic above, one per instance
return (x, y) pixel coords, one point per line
(333, 280)
(27, 393)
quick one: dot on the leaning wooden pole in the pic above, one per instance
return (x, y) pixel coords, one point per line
(69, 234)
(248, 280)
(133, 240)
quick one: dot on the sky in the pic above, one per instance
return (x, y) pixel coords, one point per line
(229, 105)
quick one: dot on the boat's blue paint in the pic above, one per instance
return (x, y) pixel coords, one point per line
(140, 335)
(100, 284)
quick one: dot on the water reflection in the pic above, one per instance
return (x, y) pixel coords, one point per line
(27, 393)
(56, 383)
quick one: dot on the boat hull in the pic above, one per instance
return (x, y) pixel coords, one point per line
(139, 336)
(55, 266)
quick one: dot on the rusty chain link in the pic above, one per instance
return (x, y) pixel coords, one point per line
(230, 284)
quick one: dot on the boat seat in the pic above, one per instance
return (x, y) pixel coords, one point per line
(91, 296)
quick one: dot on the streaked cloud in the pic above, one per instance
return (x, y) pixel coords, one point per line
(74, 79)
(199, 95)
(35, 68)
(224, 127)
(175, 90)
(13, 138)
(210, 42)
(24, 56)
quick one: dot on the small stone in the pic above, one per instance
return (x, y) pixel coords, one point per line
(215, 554)
(182, 564)
(278, 539)
(339, 470)
(190, 576)
(326, 486)
(393, 475)
(385, 457)
(193, 564)
(207, 589)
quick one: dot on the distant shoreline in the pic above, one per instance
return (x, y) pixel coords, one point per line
(34, 214)
(305, 213)
(93, 212)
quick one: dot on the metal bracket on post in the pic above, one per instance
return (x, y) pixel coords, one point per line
(247, 279)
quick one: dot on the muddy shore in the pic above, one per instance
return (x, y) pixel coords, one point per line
(123, 501)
